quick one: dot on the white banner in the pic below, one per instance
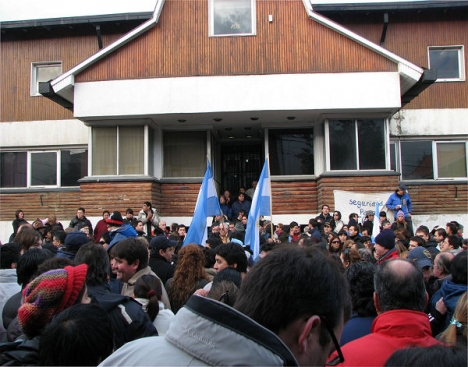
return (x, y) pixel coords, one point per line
(348, 202)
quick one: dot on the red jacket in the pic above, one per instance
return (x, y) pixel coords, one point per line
(392, 254)
(391, 330)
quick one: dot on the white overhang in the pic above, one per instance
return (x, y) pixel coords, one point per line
(318, 93)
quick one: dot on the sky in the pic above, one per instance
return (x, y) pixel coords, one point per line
(11, 10)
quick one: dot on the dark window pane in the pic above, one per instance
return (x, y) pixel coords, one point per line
(371, 143)
(342, 145)
(446, 63)
(291, 152)
(416, 160)
(43, 169)
(74, 166)
(393, 165)
(13, 169)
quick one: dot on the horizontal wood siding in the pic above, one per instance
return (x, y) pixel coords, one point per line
(20, 50)
(294, 197)
(291, 197)
(99, 196)
(40, 205)
(409, 36)
(180, 46)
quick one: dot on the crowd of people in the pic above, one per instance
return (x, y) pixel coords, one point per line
(127, 292)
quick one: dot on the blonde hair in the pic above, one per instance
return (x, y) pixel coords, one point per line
(458, 324)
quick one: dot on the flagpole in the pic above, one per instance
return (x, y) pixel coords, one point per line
(271, 199)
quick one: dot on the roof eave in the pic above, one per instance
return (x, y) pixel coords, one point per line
(409, 72)
(64, 84)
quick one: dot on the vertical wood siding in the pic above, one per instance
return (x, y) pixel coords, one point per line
(19, 49)
(180, 46)
(409, 36)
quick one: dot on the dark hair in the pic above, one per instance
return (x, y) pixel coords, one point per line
(291, 283)
(97, 260)
(147, 203)
(313, 222)
(455, 241)
(453, 228)
(339, 214)
(9, 254)
(209, 257)
(230, 275)
(52, 264)
(325, 205)
(360, 278)
(400, 286)
(82, 209)
(17, 213)
(81, 335)
(105, 211)
(106, 237)
(29, 262)
(422, 229)
(419, 240)
(233, 253)
(214, 242)
(60, 235)
(143, 287)
(444, 261)
(433, 356)
(458, 268)
(441, 232)
(131, 250)
(27, 238)
(224, 291)
(129, 211)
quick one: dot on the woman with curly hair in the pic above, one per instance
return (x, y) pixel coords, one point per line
(189, 276)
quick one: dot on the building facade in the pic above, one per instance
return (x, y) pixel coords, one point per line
(340, 97)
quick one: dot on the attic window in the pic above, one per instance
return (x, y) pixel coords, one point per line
(43, 72)
(232, 17)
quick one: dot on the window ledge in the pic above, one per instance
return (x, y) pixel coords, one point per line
(22, 190)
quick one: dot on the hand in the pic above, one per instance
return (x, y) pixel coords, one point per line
(440, 306)
(201, 292)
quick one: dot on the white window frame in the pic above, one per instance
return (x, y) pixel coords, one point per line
(145, 152)
(461, 62)
(435, 166)
(34, 89)
(356, 146)
(211, 21)
(58, 158)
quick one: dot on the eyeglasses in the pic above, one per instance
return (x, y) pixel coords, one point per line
(339, 358)
(336, 241)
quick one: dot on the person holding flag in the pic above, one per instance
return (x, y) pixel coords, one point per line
(207, 206)
(261, 206)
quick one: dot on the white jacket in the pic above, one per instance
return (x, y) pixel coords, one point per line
(206, 332)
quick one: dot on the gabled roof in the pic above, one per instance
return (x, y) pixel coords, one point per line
(409, 73)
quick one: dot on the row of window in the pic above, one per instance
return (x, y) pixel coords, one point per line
(353, 145)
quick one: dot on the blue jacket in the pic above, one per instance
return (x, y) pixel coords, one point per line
(451, 292)
(120, 234)
(404, 201)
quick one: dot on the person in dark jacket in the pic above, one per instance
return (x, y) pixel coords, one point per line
(129, 321)
(80, 221)
(161, 252)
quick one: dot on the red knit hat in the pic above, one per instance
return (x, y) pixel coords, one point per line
(48, 295)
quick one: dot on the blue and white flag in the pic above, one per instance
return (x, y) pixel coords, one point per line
(261, 205)
(376, 227)
(207, 206)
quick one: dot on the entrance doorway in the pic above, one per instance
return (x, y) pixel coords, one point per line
(241, 164)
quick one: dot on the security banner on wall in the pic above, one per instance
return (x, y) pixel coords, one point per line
(348, 202)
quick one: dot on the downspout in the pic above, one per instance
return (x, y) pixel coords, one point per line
(384, 30)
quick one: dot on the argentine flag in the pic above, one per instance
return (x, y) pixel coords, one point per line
(207, 206)
(261, 205)
(376, 227)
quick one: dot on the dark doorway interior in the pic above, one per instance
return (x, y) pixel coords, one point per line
(241, 164)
